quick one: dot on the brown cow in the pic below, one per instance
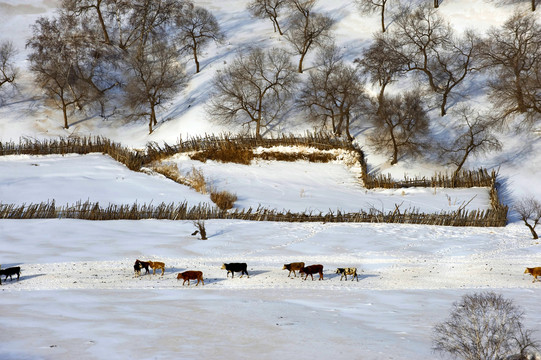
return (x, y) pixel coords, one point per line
(191, 275)
(535, 272)
(312, 269)
(156, 265)
(292, 267)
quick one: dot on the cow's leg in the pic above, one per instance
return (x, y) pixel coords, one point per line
(163, 271)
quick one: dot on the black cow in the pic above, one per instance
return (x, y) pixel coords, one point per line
(10, 272)
(236, 267)
(143, 265)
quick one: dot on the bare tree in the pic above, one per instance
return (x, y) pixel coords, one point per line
(401, 126)
(372, 6)
(381, 64)
(425, 43)
(84, 8)
(268, 9)
(529, 210)
(512, 53)
(8, 71)
(307, 28)
(197, 27)
(254, 89)
(334, 91)
(153, 78)
(483, 326)
(54, 60)
(473, 136)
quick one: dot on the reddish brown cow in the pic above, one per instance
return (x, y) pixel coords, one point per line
(312, 269)
(191, 275)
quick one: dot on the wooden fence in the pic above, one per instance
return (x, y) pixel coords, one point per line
(93, 211)
(135, 160)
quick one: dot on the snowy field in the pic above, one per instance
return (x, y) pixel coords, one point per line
(77, 297)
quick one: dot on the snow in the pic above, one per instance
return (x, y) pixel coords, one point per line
(78, 297)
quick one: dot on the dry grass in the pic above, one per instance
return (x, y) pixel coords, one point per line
(197, 181)
(223, 199)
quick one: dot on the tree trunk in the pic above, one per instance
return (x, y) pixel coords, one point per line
(520, 95)
(443, 110)
(65, 113)
(532, 229)
(195, 55)
(300, 62)
(196, 60)
(382, 18)
(152, 119)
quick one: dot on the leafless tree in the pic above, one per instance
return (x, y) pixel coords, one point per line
(55, 59)
(372, 6)
(529, 210)
(307, 29)
(334, 91)
(153, 78)
(140, 21)
(401, 126)
(197, 27)
(512, 53)
(270, 9)
(473, 135)
(8, 70)
(425, 43)
(381, 64)
(92, 10)
(254, 89)
(483, 326)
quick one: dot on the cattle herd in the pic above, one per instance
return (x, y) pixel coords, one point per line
(242, 268)
(232, 268)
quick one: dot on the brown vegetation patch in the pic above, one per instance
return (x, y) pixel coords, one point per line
(223, 199)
